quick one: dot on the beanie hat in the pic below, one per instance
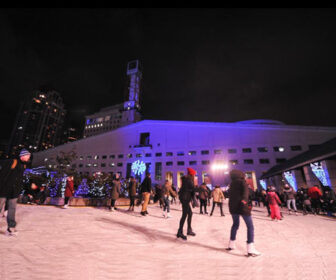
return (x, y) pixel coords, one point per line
(191, 171)
(24, 152)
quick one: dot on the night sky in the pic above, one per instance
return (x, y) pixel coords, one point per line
(204, 65)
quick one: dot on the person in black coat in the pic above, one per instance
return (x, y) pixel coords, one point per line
(11, 177)
(239, 206)
(186, 195)
(146, 189)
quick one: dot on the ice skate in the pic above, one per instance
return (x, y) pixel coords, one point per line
(231, 246)
(11, 232)
(181, 235)
(252, 251)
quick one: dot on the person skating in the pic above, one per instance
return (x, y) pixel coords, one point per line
(11, 176)
(203, 197)
(218, 198)
(69, 191)
(115, 191)
(274, 201)
(238, 206)
(315, 194)
(290, 198)
(166, 192)
(186, 195)
(132, 192)
(146, 189)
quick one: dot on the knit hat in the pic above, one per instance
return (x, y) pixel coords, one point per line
(191, 171)
(24, 152)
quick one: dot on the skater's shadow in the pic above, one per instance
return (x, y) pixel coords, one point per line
(154, 234)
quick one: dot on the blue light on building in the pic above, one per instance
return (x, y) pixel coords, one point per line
(321, 173)
(290, 177)
(138, 167)
(263, 184)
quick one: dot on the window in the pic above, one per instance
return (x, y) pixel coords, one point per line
(205, 152)
(129, 155)
(138, 155)
(103, 165)
(169, 154)
(120, 156)
(205, 162)
(280, 160)
(194, 162)
(313, 146)
(112, 156)
(232, 151)
(248, 161)
(264, 161)
(180, 153)
(144, 139)
(180, 163)
(278, 149)
(262, 150)
(119, 164)
(104, 157)
(247, 150)
(81, 158)
(158, 154)
(169, 163)
(148, 155)
(89, 157)
(81, 165)
(217, 152)
(112, 164)
(88, 165)
(234, 162)
(95, 165)
(296, 148)
(158, 171)
(192, 153)
(96, 157)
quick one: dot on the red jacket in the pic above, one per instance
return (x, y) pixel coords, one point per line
(69, 189)
(314, 192)
(273, 198)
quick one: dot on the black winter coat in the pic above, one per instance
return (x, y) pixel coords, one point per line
(11, 179)
(238, 192)
(146, 185)
(187, 191)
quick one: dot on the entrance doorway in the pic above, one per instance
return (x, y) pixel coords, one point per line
(251, 179)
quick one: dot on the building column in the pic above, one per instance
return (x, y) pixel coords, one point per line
(310, 177)
(300, 180)
(330, 165)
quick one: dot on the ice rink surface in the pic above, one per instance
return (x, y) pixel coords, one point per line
(93, 243)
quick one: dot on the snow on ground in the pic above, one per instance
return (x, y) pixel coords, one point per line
(93, 243)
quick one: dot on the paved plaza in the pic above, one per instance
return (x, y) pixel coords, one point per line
(93, 243)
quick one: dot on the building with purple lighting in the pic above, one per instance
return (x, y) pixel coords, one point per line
(167, 148)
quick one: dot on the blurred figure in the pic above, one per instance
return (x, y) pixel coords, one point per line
(315, 194)
(115, 191)
(203, 197)
(167, 191)
(218, 198)
(69, 191)
(290, 198)
(146, 189)
(274, 201)
(132, 186)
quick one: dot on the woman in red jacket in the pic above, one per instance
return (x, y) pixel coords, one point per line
(273, 202)
(69, 190)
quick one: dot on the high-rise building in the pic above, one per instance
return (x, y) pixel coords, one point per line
(119, 115)
(39, 123)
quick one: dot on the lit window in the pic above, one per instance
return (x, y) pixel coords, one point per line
(262, 150)
(234, 162)
(169, 154)
(192, 153)
(247, 150)
(217, 152)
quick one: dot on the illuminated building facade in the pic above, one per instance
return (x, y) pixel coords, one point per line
(39, 123)
(167, 148)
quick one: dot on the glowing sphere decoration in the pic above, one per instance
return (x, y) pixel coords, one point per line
(138, 167)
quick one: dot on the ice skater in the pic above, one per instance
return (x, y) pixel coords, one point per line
(273, 202)
(69, 191)
(218, 198)
(11, 176)
(186, 195)
(238, 206)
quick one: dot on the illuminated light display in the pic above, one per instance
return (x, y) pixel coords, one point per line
(138, 167)
(219, 166)
(321, 173)
(290, 177)
(263, 184)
